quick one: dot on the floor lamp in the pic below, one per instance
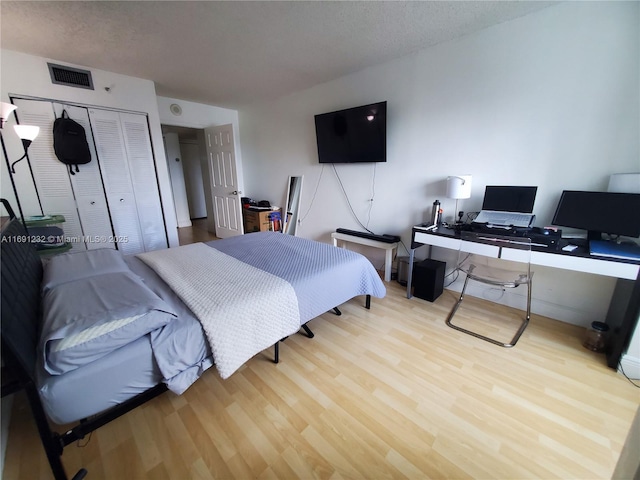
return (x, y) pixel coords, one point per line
(459, 187)
(27, 134)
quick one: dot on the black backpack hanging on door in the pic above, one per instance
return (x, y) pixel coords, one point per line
(70, 142)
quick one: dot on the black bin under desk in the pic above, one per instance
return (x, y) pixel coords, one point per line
(428, 279)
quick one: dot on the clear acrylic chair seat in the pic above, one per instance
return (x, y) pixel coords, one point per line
(496, 260)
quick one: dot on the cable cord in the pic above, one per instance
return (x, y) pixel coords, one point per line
(344, 192)
(373, 194)
(315, 192)
(403, 246)
(457, 272)
(625, 375)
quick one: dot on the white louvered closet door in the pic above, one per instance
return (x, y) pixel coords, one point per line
(50, 175)
(88, 189)
(112, 156)
(144, 180)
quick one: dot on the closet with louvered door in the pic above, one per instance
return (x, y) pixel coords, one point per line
(57, 192)
(114, 200)
(88, 189)
(126, 161)
(142, 168)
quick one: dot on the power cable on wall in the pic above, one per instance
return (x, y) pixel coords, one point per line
(315, 192)
(344, 192)
(373, 194)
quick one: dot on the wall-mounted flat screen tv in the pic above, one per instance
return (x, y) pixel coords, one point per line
(354, 135)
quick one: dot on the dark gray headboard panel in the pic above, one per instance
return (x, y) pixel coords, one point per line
(21, 273)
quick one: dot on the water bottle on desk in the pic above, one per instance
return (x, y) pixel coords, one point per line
(436, 213)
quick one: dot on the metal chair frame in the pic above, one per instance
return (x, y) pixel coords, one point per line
(465, 264)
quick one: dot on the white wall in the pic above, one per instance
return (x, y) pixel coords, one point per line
(28, 75)
(550, 99)
(193, 178)
(176, 173)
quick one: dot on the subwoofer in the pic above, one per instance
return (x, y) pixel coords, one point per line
(428, 279)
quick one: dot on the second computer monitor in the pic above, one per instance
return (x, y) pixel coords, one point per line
(503, 198)
(599, 212)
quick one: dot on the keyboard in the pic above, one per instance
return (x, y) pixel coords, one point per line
(505, 218)
(380, 238)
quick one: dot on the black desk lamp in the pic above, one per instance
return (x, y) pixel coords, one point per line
(26, 133)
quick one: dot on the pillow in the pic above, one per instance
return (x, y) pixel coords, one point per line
(86, 319)
(78, 265)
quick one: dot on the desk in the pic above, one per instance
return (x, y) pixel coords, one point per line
(339, 239)
(579, 261)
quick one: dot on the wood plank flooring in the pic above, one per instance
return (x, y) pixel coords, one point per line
(390, 392)
(197, 232)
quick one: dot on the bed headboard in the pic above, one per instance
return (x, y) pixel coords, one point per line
(21, 271)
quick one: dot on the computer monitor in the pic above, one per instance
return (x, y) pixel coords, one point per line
(503, 198)
(599, 212)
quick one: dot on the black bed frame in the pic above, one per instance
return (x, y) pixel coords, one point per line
(21, 274)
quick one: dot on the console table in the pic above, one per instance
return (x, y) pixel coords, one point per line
(626, 299)
(340, 240)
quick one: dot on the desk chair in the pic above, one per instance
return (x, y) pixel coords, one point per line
(476, 258)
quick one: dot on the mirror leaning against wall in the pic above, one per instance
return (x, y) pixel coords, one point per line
(294, 193)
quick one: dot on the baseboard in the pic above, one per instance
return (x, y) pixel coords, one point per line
(630, 366)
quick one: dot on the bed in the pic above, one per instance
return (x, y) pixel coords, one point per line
(95, 334)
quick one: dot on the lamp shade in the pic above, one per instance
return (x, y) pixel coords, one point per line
(27, 132)
(6, 109)
(459, 186)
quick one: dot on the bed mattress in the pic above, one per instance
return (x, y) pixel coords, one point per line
(131, 369)
(322, 276)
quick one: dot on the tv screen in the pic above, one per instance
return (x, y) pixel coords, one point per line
(355, 135)
(599, 212)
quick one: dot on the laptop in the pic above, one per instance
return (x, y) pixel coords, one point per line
(507, 207)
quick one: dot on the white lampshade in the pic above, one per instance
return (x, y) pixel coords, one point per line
(459, 186)
(5, 111)
(624, 183)
(27, 132)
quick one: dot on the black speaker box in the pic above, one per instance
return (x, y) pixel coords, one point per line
(428, 279)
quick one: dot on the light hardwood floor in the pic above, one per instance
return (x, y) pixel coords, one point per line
(196, 233)
(390, 392)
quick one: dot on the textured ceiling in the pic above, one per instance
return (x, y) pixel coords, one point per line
(235, 53)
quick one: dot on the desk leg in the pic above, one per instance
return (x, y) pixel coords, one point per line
(388, 257)
(412, 253)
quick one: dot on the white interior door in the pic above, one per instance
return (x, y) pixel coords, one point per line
(144, 180)
(112, 156)
(128, 170)
(224, 181)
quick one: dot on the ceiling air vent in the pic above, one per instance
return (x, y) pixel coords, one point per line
(69, 76)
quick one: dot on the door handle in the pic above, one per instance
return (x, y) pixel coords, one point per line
(236, 192)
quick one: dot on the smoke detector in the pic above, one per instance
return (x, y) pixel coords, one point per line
(175, 109)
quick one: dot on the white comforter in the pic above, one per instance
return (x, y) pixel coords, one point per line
(242, 309)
